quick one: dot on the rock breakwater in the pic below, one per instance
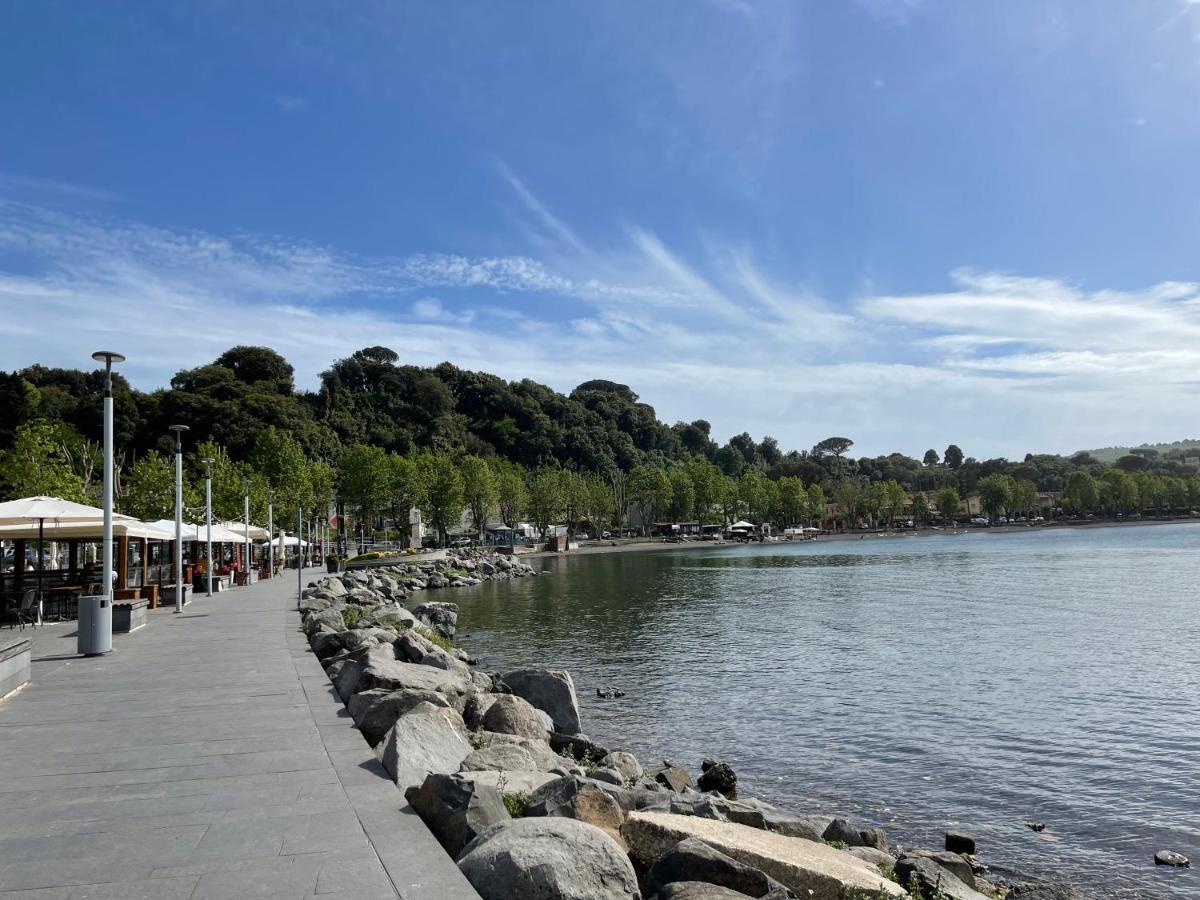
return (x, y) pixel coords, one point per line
(498, 767)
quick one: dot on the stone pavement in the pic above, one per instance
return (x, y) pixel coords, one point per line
(205, 757)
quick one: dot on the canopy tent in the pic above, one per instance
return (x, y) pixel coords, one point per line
(286, 541)
(193, 533)
(40, 509)
(27, 510)
(83, 529)
(742, 526)
(239, 528)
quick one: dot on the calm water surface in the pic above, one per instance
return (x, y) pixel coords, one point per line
(979, 681)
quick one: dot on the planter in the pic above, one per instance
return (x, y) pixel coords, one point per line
(127, 617)
(15, 656)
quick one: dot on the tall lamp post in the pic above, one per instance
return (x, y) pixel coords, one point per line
(246, 522)
(102, 642)
(179, 430)
(208, 462)
(270, 532)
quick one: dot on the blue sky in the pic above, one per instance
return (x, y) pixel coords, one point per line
(908, 221)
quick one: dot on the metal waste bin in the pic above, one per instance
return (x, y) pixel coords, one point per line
(95, 625)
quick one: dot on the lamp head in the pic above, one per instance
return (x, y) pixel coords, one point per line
(108, 357)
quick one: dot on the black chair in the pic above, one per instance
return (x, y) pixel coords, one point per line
(25, 612)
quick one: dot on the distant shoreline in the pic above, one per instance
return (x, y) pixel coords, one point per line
(650, 545)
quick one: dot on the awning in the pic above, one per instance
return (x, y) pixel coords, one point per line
(239, 528)
(51, 509)
(84, 530)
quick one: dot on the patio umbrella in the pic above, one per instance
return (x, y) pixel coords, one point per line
(39, 509)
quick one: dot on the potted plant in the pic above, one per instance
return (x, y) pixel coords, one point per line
(332, 563)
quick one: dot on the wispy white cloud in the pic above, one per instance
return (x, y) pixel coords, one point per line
(545, 218)
(998, 363)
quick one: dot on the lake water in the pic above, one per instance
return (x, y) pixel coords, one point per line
(977, 681)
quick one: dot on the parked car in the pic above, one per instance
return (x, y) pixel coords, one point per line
(980, 520)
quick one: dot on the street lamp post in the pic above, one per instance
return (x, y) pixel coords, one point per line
(108, 357)
(299, 558)
(208, 461)
(270, 533)
(246, 521)
(179, 430)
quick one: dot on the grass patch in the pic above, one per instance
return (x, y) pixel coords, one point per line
(351, 615)
(480, 739)
(432, 634)
(516, 804)
(588, 762)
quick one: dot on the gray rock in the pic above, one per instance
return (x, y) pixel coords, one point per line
(349, 677)
(476, 707)
(329, 618)
(576, 798)
(953, 863)
(427, 739)
(1171, 858)
(506, 757)
(383, 670)
(548, 858)
(933, 878)
(551, 691)
(579, 746)
(717, 776)
(375, 711)
(960, 842)
(873, 837)
(441, 616)
(880, 859)
(674, 777)
(333, 586)
(456, 810)
(625, 763)
(843, 832)
(326, 643)
(509, 714)
(694, 860)
(699, 890)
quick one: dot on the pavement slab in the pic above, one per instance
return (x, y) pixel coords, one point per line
(206, 756)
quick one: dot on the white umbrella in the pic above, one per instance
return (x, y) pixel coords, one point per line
(39, 509)
(742, 524)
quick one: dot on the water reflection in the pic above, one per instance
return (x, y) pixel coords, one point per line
(976, 680)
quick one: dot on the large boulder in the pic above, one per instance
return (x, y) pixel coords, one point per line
(717, 775)
(456, 810)
(956, 865)
(327, 618)
(1044, 890)
(934, 880)
(674, 777)
(701, 890)
(694, 860)
(375, 711)
(509, 714)
(442, 617)
(841, 831)
(426, 739)
(510, 784)
(880, 859)
(512, 756)
(347, 679)
(625, 763)
(573, 798)
(381, 669)
(476, 707)
(812, 870)
(551, 691)
(548, 859)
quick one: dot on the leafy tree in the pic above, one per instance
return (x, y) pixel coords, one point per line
(1024, 497)
(150, 488)
(278, 459)
(404, 491)
(363, 481)
(442, 490)
(511, 495)
(949, 505)
(1081, 495)
(755, 489)
(850, 502)
(995, 494)
(710, 488)
(835, 447)
(920, 508)
(36, 465)
(894, 498)
(953, 456)
(683, 495)
(931, 457)
(545, 498)
(793, 499)
(650, 491)
(479, 490)
(599, 503)
(817, 503)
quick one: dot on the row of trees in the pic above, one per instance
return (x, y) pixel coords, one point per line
(1119, 492)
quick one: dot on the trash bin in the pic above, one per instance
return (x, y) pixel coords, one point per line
(95, 625)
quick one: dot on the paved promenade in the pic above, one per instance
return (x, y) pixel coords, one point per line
(205, 757)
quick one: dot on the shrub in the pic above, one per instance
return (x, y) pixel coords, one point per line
(432, 634)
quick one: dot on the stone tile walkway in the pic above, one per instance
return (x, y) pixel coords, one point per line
(205, 757)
